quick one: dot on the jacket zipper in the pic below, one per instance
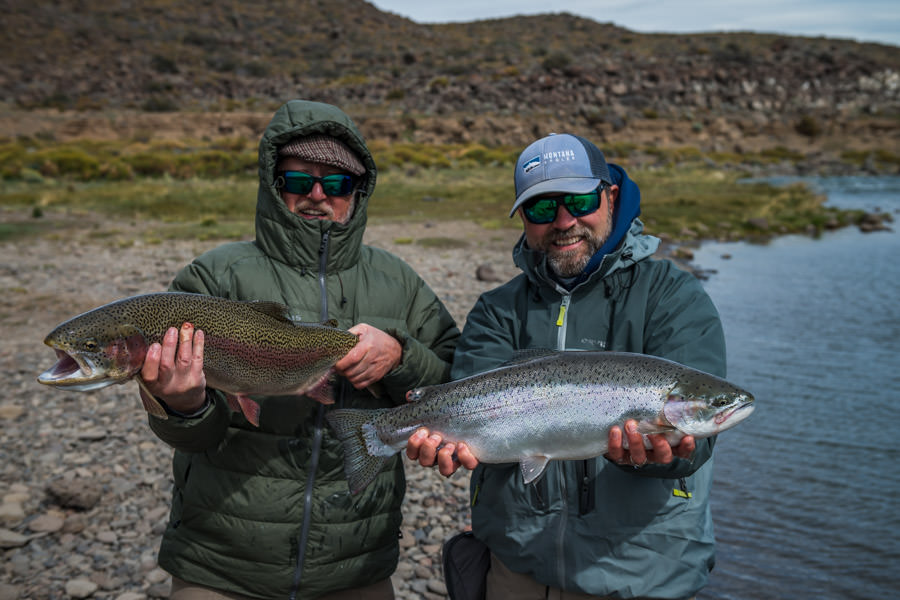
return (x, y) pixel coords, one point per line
(561, 324)
(561, 320)
(317, 437)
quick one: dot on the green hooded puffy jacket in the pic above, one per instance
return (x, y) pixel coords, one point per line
(266, 512)
(592, 526)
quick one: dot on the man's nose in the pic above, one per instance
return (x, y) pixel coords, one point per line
(317, 193)
(564, 219)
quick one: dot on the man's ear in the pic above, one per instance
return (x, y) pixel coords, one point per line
(521, 216)
(613, 192)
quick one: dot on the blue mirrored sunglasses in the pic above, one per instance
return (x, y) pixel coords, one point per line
(298, 182)
(541, 211)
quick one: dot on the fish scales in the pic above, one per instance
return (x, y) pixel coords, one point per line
(559, 405)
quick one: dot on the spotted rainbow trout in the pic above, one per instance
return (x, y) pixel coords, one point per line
(557, 405)
(250, 347)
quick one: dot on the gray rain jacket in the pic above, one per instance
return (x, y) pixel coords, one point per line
(266, 512)
(592, 526)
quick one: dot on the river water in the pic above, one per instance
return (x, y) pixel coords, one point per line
(806, 499)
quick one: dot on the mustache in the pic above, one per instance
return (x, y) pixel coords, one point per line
(574, 231)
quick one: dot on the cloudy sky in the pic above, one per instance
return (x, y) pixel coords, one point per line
(862, 20)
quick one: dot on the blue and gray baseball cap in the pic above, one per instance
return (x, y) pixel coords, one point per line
(559, 164)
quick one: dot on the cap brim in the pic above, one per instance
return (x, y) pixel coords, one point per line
(562, 185)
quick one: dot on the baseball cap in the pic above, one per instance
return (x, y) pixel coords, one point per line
(559, 164)
(323, 149)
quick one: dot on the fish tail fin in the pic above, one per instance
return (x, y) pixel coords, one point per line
(364, 453)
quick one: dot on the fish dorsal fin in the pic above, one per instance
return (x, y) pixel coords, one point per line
(527, 354)
(532, 467)
(276, 310)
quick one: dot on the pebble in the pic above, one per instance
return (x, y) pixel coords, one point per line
(81, 588)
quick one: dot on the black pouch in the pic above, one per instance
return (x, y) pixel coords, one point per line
(466, 561)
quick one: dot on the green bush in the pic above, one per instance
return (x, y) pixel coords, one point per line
(808, 126)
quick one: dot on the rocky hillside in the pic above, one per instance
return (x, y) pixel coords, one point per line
(495, 81)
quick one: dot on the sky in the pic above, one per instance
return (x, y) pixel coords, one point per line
(860, 20)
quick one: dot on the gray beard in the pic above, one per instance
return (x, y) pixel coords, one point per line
(571, 264)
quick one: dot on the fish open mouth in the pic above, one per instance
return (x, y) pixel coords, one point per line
(66, 367)
(71, 373)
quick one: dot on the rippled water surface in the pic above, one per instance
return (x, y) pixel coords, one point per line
(806, 499)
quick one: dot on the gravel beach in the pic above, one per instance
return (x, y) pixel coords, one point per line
(85, 485)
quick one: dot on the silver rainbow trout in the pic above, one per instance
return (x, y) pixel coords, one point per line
(250, 347)
(556, 405)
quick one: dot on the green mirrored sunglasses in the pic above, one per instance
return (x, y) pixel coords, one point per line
(541, 211)
(298, 182)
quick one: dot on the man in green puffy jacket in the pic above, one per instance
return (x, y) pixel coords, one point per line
(265, 512)
(635, 524)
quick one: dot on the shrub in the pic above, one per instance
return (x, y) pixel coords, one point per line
(808, 126)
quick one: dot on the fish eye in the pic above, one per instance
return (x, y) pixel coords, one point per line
(90, 345)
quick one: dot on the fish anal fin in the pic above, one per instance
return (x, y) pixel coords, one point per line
(322, 390)
(533, 467)
(246, 405)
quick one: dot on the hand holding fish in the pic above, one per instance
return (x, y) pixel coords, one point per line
(374, 355)
(173, 369)
(427, 449)
(636, 454)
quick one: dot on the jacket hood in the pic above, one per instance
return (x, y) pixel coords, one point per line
(285, 236)
(626, 243)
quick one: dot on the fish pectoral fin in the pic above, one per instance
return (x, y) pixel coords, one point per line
(246, 405)
(151, 404)
(646, 427)
(533, 467)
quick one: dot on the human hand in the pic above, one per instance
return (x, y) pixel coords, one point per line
(637, 455)
(173, 370)
(374, 355)
(427, 449)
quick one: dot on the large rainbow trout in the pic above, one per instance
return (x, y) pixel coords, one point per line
(557, 405)
(250, 347)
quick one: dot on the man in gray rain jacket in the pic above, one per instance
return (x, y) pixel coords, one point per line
(265, 512)
(633, 524)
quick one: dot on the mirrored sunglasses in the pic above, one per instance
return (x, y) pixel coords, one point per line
(298, 182)
(541, 211)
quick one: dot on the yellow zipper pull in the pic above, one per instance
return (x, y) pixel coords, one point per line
(562, 314)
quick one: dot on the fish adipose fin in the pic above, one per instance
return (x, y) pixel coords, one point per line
(364, 453)
(533, 467)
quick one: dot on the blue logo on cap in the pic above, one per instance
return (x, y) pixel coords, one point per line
(531, 164)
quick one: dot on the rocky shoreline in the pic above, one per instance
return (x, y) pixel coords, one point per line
(85, 486)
